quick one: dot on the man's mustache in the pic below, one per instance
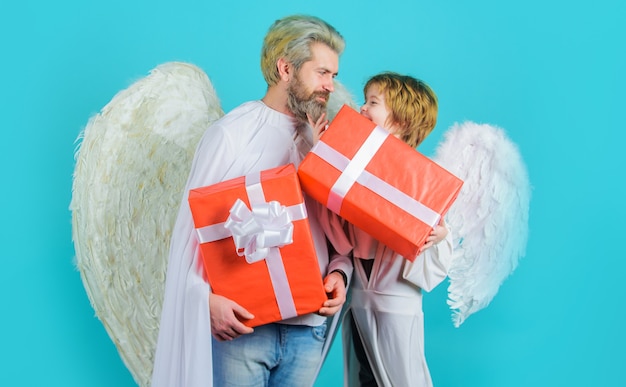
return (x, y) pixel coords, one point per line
(324, 94)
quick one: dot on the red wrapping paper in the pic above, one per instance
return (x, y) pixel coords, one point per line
(250, 284)
(395, 166)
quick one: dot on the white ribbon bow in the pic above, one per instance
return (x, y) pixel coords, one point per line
(255, 232)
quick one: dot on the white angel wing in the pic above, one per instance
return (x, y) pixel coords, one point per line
(131, 167)
(339, 97)
(490, 216)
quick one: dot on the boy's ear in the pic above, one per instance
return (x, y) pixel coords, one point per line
(284, 69)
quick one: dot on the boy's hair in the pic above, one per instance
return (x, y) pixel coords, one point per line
(412, 105)
(291, 38)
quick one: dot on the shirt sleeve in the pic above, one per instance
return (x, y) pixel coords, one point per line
(430, 268)
(185, 328)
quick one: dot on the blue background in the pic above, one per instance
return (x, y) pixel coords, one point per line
(551, 73)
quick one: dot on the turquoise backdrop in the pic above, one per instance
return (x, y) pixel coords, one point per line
(551, 73)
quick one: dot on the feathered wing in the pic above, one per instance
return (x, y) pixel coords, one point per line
(132, 162)
(339, 97)
(490, 216)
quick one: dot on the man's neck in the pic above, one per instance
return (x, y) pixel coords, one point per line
(276, 98)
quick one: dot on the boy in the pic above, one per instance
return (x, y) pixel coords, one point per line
(383, 330)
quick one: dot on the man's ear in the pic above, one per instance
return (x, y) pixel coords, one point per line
(284, 69)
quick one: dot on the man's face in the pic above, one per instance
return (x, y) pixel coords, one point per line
(310, 88)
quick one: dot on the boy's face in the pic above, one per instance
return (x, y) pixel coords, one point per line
(374, 107)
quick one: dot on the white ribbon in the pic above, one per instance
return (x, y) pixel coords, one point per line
(255, 232)
(355, 167)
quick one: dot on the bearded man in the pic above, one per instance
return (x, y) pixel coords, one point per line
(202, 339)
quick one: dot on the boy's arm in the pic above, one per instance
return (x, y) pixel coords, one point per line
(430, 268)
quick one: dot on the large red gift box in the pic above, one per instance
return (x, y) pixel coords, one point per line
(377, 182)
(261, 256)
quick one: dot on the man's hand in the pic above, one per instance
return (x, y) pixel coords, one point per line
(225, 318)
(336, 291)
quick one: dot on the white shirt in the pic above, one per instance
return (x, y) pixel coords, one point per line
(251, 138)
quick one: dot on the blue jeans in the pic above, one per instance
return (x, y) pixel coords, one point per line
(273, 355)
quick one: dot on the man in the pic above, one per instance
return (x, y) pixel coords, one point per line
(202, 339)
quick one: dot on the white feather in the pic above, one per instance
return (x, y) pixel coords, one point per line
(489, 219)
(131, 165)
(339, 97)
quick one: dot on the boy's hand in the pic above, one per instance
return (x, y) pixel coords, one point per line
(436, 235)
(318, 127)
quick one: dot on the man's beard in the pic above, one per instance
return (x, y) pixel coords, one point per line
(300, 103)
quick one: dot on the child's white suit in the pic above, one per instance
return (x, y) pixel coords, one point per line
(387, 310)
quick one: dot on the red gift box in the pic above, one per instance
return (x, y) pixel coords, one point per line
(260, 256)
(377, 182)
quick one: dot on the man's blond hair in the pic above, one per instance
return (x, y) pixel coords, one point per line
(291, 38)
